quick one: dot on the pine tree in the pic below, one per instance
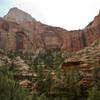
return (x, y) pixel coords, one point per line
(42, 97)
(94, 94)
(35, 96)
(9, 89)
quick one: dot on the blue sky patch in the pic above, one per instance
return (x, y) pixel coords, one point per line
(5, 5)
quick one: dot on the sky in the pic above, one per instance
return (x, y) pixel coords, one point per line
(68, 14)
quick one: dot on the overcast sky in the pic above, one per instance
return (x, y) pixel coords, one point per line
(68, 14)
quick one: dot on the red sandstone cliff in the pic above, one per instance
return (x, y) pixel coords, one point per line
(19, 31)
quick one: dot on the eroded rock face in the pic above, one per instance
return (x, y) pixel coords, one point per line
(25, 84)
(14, 38)
(85, 60)
(24, 33)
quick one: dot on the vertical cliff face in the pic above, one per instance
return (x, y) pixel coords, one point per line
(14, 38)
(24, 33)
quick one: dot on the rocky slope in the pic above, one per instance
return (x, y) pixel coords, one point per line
(24, 33)
(86, 61)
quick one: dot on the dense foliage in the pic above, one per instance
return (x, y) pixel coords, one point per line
(9, 89)
(51, 82)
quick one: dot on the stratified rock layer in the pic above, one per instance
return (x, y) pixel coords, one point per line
(19, 31)
(86, 61)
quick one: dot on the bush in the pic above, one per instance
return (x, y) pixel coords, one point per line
(9, 89)
(94, 94)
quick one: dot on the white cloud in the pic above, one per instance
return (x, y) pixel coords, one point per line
(69, 14)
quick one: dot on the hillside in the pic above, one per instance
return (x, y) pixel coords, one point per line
(77, 74)
(86, 60)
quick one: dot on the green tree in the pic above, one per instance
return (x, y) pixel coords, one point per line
(96, 77)
(94, 94)
(67, 84)
(42, 97)
(35, 95)
(44, 83)
(9, 89)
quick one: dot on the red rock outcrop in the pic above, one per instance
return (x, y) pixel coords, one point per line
(24, 33)
(13, 37)
(86, 60)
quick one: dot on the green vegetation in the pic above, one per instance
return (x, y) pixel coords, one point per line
(96, 43)
(94, 94)
(51, 59)
(50, 82)
(9, 89)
